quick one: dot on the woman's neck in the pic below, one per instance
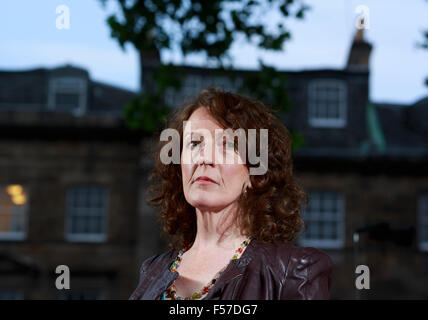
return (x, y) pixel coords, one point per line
(217, 230)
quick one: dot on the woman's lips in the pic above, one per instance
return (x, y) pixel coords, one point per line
(204, 180)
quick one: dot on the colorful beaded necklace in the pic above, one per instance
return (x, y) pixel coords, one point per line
(171, 291)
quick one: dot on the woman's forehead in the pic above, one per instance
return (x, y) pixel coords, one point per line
(201, 119)
(201, 114)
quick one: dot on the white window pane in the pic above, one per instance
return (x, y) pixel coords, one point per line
(327, 100)
(87, 210)
(323, 217)
(13, 211)
(423, 218)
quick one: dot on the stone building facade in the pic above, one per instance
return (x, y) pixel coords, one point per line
(364, 167)
(69, 180)
(73, 181)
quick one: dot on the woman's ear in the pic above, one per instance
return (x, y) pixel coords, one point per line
(245, 186)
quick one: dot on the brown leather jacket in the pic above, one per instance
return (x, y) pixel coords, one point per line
(265, 271)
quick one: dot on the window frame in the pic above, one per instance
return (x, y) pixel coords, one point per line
(87, 294)
(11, 294)
(422, 218)
(313, 100)
(341, 216)
(194, 83)
(22, 235)
(81, 90)
(86, 237)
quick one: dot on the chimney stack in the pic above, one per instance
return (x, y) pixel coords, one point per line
(359, 55)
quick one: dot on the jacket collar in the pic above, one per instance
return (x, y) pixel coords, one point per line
(160, 278)
(234, 269)
(156, 284)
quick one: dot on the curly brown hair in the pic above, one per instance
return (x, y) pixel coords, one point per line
(270, 210)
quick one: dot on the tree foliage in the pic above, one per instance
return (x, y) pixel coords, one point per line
(424, 45)
(208, 27)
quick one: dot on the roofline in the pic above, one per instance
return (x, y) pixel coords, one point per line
(298, 71)
(387, 104)
(32, 69)
(114, 86)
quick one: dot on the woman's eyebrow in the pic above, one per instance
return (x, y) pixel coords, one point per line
(193, 133)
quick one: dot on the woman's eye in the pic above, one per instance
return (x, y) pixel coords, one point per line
(194, 143)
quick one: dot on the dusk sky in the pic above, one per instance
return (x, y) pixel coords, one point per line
(30, 39)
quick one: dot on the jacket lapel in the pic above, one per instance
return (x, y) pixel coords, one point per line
(159, 279)
(236, 268)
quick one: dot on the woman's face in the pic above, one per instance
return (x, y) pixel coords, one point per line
(228, 178)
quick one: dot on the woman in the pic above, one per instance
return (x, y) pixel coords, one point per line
(231, 231)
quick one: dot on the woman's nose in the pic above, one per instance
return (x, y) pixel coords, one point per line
(205, 155)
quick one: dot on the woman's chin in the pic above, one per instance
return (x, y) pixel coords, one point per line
(206, 202)
(205, 205)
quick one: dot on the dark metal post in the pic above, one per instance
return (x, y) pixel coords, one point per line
(356, 239)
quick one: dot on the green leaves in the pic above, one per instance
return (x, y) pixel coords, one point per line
(201, 26)
(140, 113)
(149, 110)
(274, 43)
(268, 85)
(297, 140)
(424, 45)
(117, 31)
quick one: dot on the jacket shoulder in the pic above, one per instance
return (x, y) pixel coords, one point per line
(157, 260)
(308, 268)
(314, 268)
(154, 263)
(309, 256)
(283, 252)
